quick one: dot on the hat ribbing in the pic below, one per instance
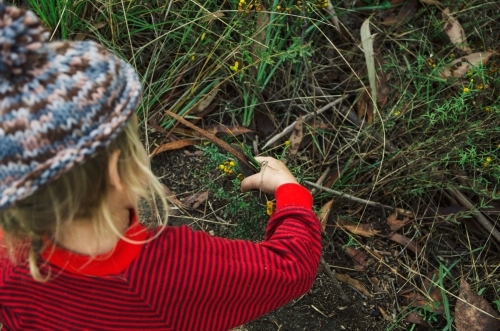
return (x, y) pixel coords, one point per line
(60, 103)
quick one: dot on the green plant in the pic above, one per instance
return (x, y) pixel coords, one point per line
(242, 209)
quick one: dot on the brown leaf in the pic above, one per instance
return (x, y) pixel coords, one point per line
(432, 290)
(324, 212)
(170, 146)
(196, 199)
(431, 2)
(384, 314)
(357, 256)
(416, 319)
(353, 282)
(231, 130)
(212, 16)
(405, 241)
(419, 301)
(206, 101)
(382, 86)
(365, 230)
(393, 16)
(453, 69)
(473, 313)
(394, 223)
(365, 107)
(172, 199)
(454, 31)
(296, 137)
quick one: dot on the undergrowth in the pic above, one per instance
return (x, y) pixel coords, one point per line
(265, 63)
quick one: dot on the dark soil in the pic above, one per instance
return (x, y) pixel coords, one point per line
(321, 308)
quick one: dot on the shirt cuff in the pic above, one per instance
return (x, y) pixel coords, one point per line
(292, 194)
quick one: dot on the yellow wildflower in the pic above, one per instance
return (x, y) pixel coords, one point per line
(203, 35)
(287, 143)
(235, 67)
(466, 90)
(231, 163)
(269, 208)
(221, 167)
(488, 159)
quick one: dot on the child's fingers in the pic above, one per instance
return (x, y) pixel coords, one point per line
(273, 173)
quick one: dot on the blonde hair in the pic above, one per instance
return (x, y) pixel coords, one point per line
(81, 193)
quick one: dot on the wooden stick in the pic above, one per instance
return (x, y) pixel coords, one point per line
(336, 283)
(464, 201)
(289, 128)
(350, 197)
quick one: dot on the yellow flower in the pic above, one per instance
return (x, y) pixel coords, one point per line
(231, 163)
(466, 90)
(488, 159)
(235, 67)
(203, 35)
(240, 177)
(269, 208)
(486, 164)
(221, 167)
(487, 108)
(287, 143)
(192, 57)
(397, 113)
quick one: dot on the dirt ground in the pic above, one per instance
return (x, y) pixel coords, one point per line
(321, 308)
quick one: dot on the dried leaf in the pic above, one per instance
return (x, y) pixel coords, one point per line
(393, 16)
(382, 86)
(419, 301)
(196, 200)
(357, 256)
(454, 70)
(212, 16)
(170, 195)
(433, 291)
(324, 212)
(170, 146)
(384, 314)
(473, 313)
(416, 319)
(365, 106)
(365, 230)
(206, 101)
(367, 42)
(454, 31)
(394, 223)
(296, 137)
(405, 241)
(353, 282)
(431, 2)
(231, 130)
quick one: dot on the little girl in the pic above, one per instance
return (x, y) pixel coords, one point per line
(74, 255)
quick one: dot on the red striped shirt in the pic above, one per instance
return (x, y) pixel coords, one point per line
(182, 280)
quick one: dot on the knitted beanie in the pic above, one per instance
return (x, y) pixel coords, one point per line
(60, 103)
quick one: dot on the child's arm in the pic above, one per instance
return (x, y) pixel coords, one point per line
(223, 283)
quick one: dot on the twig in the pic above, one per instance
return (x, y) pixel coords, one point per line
(336, 283)
(321, 179)
(350, 197)
(289, 128)
(464, 201)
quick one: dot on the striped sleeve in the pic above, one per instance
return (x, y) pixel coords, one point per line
(230, 282)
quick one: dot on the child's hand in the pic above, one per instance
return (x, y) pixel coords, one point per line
(273, 173)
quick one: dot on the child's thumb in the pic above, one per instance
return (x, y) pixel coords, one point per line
(250, 183)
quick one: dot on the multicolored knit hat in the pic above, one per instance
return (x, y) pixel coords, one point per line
(60, 103)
